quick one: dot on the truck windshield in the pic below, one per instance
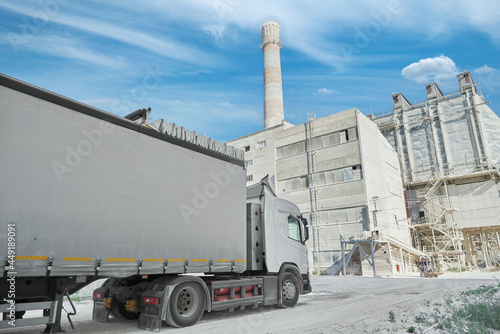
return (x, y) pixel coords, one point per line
(294, 229)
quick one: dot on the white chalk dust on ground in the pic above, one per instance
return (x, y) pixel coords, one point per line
(336, 305)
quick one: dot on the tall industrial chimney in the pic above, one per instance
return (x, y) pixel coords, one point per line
(273, 93)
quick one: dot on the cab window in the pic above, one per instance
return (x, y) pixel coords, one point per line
(294, 229)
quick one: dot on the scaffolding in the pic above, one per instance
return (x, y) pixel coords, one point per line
(482, 246)
(378, 255)
(435, 231)
(422, 135)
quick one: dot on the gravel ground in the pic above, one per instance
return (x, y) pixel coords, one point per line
(336, 305)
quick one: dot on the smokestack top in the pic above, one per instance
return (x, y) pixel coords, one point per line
(270, 29)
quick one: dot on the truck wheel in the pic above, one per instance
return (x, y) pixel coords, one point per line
(187, 303)
(290, 290)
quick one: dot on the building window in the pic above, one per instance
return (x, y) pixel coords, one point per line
(339, 175)
(248, 163)
(334, 138)
(291, 149)
(261, 144)
(247, 148)
(348, 174)
(344, 137)
(249, 178)
(296, 183)
(351, 173)
(356, 172)
(346, 215)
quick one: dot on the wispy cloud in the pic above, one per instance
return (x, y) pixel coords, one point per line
(216, 31)
(63, 47)
(314, 29)
(485, 69)
(489, 78)
(324, 91)
(163, 46)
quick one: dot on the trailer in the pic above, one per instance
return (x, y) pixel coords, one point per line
(161, 212)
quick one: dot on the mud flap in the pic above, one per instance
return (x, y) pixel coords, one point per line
(152, 316)
(150, 322)
(306, 284)
(100, 313)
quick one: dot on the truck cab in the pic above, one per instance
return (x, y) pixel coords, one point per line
(283, 238)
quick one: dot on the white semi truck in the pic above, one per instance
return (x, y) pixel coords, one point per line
(162, 212)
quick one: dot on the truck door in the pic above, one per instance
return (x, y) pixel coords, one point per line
(289, 239)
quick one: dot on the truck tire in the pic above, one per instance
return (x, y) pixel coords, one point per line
(186, 305)
(289, 289)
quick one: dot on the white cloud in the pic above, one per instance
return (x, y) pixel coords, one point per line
(324, 91)
(439, 69)
(485, 69)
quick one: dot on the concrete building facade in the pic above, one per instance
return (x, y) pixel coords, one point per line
(343, 175)
(449, 154)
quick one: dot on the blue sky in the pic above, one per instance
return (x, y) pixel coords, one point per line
(197, 63)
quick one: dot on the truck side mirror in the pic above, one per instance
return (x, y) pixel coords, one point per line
(306, 230)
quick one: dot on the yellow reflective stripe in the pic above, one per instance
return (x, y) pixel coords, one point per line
(19, 257)
(120, 259)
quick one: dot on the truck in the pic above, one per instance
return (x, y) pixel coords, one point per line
(162, 213)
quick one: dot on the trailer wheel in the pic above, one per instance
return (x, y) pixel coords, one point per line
(290, 290)
(186, 305)
(119, 311)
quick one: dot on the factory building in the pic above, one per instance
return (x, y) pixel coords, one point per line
(449, 154)
(341, 172)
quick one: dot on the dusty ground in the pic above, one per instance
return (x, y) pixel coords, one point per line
(337, 305)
